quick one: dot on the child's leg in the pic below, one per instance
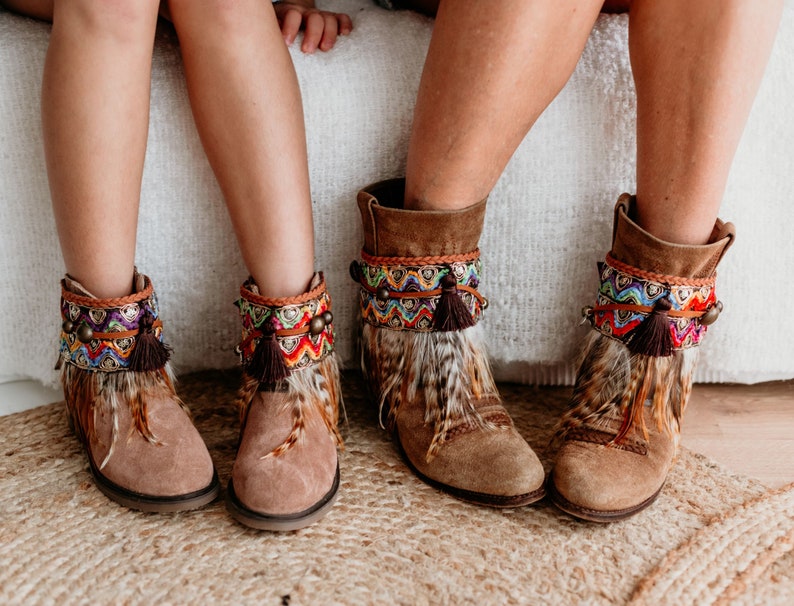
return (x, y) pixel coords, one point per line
(95, 110)
(143, 449)
(247, 107)
(697, 67)
(492, 68)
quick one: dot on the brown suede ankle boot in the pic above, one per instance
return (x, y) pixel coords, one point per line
(423, 356)
(620, 434)
(142, 447)
(286, 474)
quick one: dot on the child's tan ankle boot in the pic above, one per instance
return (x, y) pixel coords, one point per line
(286, 474)
(620, 435)
(142, 447)
(423, 356)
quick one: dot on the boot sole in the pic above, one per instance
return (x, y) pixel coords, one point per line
(470, 496)
(157, 504)
(144, 502)
(283, 522)
(595, 515)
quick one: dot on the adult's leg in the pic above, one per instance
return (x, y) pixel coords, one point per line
(247, 105)
(491, 70)
(697, 67)
(95, 111)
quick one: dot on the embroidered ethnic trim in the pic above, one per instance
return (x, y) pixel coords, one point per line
(101, 334)
(303, 328)
(403, 293)
(628, 296)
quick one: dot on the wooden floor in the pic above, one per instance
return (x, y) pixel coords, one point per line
(747, 428)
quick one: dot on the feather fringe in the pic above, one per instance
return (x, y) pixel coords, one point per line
(88, 393)
(448, 371)
(614, 383)
(312, 391)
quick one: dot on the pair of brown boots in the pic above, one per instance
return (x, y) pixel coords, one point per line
(422, 353)
(143, 449)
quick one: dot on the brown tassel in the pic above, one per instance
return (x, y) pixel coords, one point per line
(150, 353)
(451, 312)
(267, 363)
(652, 337)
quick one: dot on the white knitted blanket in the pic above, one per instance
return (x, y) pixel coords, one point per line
(548, 221)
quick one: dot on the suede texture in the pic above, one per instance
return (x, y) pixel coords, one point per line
(596, 478)
(633, 245)
(602, 478)
(496, 462)
(291, 482)
(177, 464)
(391, 231)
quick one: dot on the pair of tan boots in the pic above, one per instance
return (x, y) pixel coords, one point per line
(424, 359)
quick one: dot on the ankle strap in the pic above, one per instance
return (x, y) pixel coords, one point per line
(283, 335)
(420, 294)
(109, 335)
(651, 313)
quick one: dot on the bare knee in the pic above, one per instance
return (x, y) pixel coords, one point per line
(124, 21)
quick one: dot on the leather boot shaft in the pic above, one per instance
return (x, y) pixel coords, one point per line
(392, 231)
(632, 245)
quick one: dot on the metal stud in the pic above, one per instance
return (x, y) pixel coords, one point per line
(328, 317)
(84, 333)
(711, 314)
(382, 294)
(67, 326)
(316, 325)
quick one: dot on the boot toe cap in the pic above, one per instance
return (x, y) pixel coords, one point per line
(497, 463)
(280, 486)
(596, 481)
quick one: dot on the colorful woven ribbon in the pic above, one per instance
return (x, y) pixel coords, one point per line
(101, 334)
(403, 294)
(302, 327)
(627, 296)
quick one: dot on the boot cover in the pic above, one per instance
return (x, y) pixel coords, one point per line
(286, 473)
(143, 449)
(423, 355)
(620, 434)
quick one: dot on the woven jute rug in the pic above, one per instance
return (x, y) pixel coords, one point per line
(712, 536)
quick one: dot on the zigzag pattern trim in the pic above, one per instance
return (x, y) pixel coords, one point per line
(300, 350)
(413, 291)
(104, 352)
(620, 287)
